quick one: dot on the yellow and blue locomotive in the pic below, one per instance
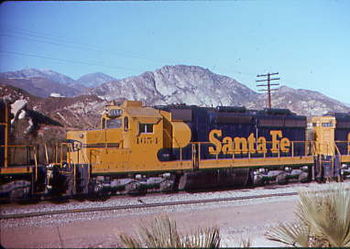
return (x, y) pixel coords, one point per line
(172, 147)
(181, 147)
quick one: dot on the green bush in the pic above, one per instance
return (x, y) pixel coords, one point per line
(323, 219)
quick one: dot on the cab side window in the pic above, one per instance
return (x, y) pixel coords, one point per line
(126, 123)
(146, 128)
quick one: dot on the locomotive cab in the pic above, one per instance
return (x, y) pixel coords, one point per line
(128, 131)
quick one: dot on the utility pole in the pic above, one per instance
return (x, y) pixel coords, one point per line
(268, 85)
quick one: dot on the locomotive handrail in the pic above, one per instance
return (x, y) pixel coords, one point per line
(28, 158)
(347, 143)
(336, 148)
(18, 145)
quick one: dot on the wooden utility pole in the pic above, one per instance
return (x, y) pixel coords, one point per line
(268, 85)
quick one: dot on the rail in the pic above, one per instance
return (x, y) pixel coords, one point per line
(144, 205)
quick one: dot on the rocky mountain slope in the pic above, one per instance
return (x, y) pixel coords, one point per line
(82, 112)
(304, 102)
(41, 87)
(43, 82)
(38, 73)
(192, 85)
(179, 84)
(94, 79)
(199, 86)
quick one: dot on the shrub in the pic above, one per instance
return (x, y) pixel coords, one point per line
(162, 232)
(323, 219)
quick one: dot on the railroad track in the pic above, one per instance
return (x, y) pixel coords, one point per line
(141, 205)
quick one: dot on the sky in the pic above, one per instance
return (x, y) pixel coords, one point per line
(307, 42)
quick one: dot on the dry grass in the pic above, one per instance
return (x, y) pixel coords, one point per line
(323, 219)
(163, 233)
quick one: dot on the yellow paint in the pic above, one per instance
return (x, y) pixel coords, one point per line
(251, 143)
(262, 145)
(275, 142)
(181, 134)
(227, 147)
(285, 145)
(242, 145)
(132, 146)
(16, 170)
(255, 162)
(349, 143)
(213, 138)
(323, 129)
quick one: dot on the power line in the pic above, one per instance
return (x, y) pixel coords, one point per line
(57, 40)
(17, 32)
(63, 60)
(268, 85)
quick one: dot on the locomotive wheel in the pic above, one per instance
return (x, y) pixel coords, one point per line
(183, 182)
(19, 194)
(259, 180)
(167, 186)
(135, 188)
(303, 177)
(282, 178)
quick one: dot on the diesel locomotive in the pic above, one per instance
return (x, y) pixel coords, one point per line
(181, 147)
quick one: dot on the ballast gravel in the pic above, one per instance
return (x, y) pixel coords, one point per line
(237, 218)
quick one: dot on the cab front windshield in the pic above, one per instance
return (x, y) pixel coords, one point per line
(113, 123)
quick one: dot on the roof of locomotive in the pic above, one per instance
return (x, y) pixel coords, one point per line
(232, 109)
(339, 115)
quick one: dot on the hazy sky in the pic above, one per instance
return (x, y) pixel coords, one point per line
(307, 42)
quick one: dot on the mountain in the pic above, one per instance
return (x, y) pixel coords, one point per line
(94, 79)
(81, 112)
(42, 82)
(38, 73)
(305, 102)
(198, 86)
(192, 85)
(41, 87)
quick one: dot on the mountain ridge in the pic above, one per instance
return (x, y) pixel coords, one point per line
(195, 85)
(30, 79)
(199, 86)
(94, 79)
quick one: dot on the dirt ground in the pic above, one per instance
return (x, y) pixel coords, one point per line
(235, 222)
